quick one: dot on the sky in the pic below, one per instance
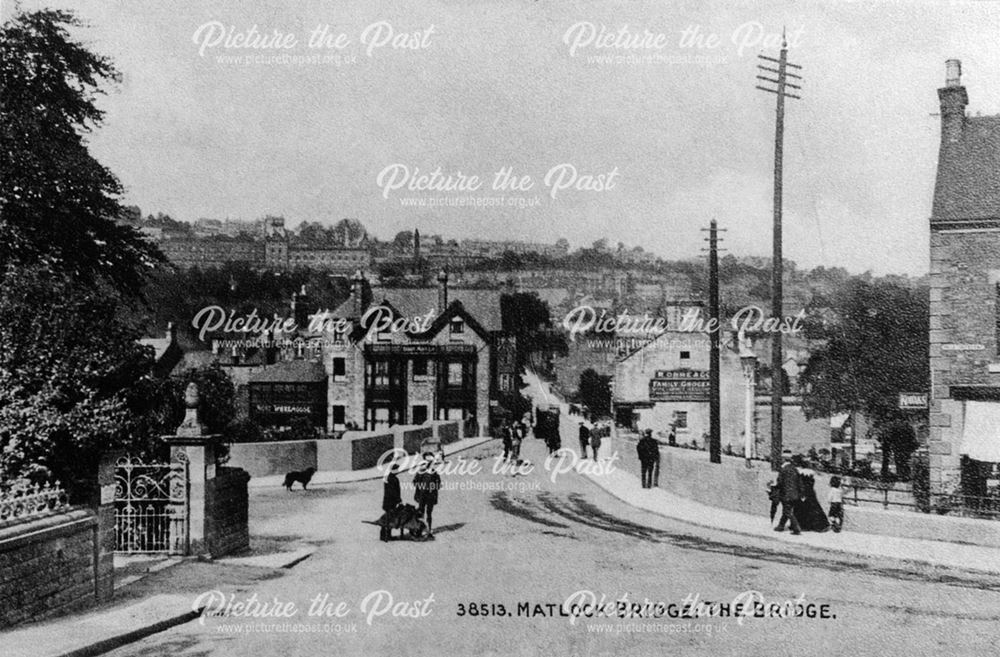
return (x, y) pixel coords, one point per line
(634, 121)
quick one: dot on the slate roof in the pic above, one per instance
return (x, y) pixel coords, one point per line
(291, 371)
(483, 305)
(968, 175)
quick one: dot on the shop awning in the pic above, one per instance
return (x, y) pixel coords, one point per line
(981, 433)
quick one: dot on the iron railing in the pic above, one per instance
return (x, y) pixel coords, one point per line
(25, 501)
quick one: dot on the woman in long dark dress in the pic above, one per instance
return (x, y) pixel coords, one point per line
(810, 514)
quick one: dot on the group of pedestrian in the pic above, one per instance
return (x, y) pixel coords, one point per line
(590, 436)
(426, 484)
(795, 491)
(512, 435)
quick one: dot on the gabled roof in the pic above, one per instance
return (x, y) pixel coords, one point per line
(968, 174)
(482, 304)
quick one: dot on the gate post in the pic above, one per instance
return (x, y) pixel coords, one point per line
(191, 445)
(104, 531)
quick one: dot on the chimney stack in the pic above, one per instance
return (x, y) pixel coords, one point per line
(442, 291)
(357, 288)
(953, 100)
(300, 309)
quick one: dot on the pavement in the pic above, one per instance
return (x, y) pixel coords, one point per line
(97, 632)
(627, 487)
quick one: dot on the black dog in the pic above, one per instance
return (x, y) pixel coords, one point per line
(303, 477)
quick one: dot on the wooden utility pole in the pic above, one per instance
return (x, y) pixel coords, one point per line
(781, 85)
(714, 325)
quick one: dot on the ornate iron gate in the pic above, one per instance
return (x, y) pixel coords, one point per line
(151, 506)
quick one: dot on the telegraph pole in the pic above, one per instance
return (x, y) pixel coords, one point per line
(714, 421)
(780, 88)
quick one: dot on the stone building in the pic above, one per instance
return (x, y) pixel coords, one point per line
(965, 294)
(666, 383)
(410, 355)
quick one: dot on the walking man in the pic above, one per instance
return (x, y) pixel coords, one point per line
(649, 457)
(595, 439)
(391, 498)
(790, 491)
(584, 439)
(426, 484)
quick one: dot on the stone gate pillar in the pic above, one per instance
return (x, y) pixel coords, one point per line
(193, 446)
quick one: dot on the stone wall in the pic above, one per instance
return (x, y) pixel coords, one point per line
(413, 438)
(447, 432)
(733, 486)
(53, 565)
(275, 457)
(355, 450)
(227, 500)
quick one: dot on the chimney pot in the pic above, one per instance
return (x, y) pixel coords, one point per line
(953, 73)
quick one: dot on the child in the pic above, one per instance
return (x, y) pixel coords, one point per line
(773, 495)
(836, 499)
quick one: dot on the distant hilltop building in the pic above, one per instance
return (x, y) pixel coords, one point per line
(268, 245)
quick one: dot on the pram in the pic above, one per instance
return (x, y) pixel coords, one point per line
(406, 519)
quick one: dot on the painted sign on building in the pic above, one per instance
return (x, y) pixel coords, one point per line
(913, 400)
(679, 385)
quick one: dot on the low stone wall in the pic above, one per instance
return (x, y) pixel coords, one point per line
(447, 432)
(732, 485)
(355, 450)
(271, 458)
(52, 565)
(227, 501)
(414, 438)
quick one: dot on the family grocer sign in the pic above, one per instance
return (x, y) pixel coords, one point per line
(679, 385)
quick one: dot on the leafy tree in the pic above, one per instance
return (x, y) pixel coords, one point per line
(68, 357)
(58, 204)
(525, 316)
(350, 232)
(874, 347)
(403, 241)
(595, 392)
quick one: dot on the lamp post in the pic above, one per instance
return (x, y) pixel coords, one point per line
(748, 360)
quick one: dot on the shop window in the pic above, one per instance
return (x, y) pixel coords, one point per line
(455, 375)
(380, 374)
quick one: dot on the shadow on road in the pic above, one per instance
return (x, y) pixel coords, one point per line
(569, 512)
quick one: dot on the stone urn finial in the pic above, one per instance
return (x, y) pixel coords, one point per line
(191, 426)
(191, 395)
